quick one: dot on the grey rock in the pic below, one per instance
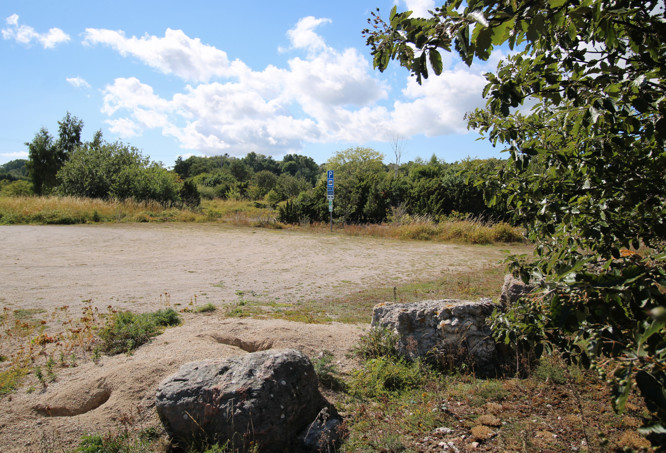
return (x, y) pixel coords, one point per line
(512, 289)
(266, 397)
(448, 331)
(324, 434)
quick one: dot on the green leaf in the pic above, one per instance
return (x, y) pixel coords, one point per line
(436, 61)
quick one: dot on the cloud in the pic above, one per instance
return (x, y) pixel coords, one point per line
(322, 95)
(303, 35)
(78, 82)
(175, 53)
(16, 155)
(420, 8)
(25, 34)
(124, 127)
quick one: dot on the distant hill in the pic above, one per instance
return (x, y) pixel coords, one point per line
(14, 170)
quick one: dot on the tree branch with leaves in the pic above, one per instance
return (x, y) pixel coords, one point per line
(587, 167)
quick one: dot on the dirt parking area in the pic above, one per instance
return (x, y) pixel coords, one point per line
(141, 267)
(137, 266)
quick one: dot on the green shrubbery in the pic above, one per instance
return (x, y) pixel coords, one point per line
(126, 331)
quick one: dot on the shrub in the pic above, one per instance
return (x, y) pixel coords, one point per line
(126, 331)
(18, 188)
(10, 378)
(206, 308)
(384, 376)
(379, 342)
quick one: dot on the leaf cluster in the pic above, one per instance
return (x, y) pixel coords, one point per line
(587, 168)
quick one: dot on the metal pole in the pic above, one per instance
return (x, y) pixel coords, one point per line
(331, 215)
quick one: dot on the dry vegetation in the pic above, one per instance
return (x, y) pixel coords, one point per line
(73, 210)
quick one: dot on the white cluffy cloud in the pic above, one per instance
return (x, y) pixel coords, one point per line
(25, 34)
(324, 95)
(16, 155)
(78, 82)
(420, 8)
(175, 53)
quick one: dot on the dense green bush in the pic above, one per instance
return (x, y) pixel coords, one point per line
(116, 170)
(19, 188)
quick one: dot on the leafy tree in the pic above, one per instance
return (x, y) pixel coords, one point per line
(262, 183)
(301, 167)
(47, 157)
(259, 162)
(43, 160)
(69, 135)
(115, 170)
(356, 171)
(596, 70)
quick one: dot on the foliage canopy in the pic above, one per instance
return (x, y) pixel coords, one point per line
(587, 168)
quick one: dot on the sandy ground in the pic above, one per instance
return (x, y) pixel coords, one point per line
(139, 267)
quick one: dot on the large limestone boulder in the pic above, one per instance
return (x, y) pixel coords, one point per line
(269, 398)
(448, 331)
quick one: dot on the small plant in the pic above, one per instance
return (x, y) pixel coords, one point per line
(379, 342)
(551, 369)
(208, 308)
(384, 376)
(126, 331)
(40, 376)
(327, 371)
(97, 354)
(49, 369)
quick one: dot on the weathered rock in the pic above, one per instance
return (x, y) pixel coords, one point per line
(324, 434)
(449, 331)
(512, 289)
(266, 397)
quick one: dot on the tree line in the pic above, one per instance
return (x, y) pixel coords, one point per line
(366, 189)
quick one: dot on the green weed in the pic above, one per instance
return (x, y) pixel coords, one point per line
(9, 379)
(385, 376)
(208, 308)
(327, 371)
(126, 331)
(378, 342)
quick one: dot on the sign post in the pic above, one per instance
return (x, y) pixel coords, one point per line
(330, 186)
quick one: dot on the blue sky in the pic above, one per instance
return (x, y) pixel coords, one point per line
(204, 78)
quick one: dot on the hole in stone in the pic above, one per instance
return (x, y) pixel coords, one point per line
(95, 399)
(245, 345)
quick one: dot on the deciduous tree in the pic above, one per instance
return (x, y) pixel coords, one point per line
(595, 203)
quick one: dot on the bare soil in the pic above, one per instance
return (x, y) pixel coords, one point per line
(145, 267)
(137, 266)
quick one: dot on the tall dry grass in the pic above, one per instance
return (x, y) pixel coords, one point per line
(73, 210)
(467, 231)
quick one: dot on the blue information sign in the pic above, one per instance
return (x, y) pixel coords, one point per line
(329, 174)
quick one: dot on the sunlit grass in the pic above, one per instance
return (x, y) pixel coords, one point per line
(356, 307)
(467, 231)
(76, 210)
